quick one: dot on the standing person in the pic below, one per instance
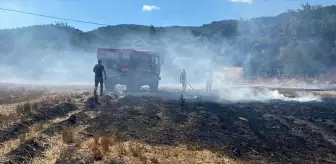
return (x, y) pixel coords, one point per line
(98, 69)
(183, 79)
(208, 81)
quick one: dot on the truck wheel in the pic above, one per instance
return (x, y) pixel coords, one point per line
(154, 86)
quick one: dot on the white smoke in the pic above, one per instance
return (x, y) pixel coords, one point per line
(59, 61)
(248, 94)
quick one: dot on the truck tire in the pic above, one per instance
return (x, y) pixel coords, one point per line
(154, 87)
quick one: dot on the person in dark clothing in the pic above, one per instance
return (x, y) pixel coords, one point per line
(98, 69)
(183, 79)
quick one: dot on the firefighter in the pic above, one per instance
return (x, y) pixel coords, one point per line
(98, 69)
(208, 81)
(183, 79)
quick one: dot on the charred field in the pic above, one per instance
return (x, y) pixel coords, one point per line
(72, 128)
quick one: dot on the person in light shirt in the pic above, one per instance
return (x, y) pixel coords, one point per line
(183, 80)
(208, 81)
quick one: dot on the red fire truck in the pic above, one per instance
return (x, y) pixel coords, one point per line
(130, 67)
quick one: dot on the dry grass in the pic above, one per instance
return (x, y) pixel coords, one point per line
(15, 95)
(133, 152)
(15, 104)
(38, 127)
(105, 144)
(78, 143)
(121, 149)
(96, 138)
(23, 109)
(57, 143)
(7, 109)
(96, 152)
(325, 93)
(6, 119)
(34, 106)
(22, 137)
(3, 118)
(19, 110)
(117, 136)
(137, 151)
(154, 160)
(68, 135)
(7, 146)
(101, 147)
(11, 112)
(53, 153)
(180, 154)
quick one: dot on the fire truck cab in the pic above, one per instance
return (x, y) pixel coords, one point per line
(130, 67)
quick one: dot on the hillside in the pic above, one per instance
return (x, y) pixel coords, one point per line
(307, 35)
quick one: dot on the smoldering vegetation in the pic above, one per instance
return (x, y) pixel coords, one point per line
(146, 128)
(172, 128)
(61, 53)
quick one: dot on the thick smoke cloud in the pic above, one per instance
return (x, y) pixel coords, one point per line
(58, 54)
(34, 58)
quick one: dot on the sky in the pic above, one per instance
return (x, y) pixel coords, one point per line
(145, 12)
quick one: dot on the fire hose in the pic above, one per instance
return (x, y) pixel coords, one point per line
(190, 85)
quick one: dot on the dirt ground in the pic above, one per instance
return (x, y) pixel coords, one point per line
(73, 128)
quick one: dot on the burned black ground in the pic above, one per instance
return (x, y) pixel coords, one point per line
(281, 132)
(266, 132)
(14, 130)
